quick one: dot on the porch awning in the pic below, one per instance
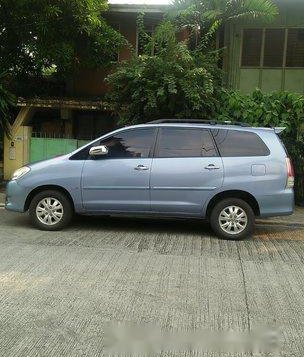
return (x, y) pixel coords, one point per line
(29, 106)
(52, 103)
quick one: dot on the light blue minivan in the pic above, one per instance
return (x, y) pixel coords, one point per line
(226, 173)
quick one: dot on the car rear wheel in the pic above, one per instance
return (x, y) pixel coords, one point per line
(232, 218)
(51, 210)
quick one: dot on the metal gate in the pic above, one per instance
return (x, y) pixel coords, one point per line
(47, 148)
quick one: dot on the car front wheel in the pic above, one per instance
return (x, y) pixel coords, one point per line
(232, 218)
(51, 210)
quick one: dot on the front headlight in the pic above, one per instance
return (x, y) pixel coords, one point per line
(20, 172)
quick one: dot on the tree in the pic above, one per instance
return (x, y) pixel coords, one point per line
(54, 36)
(204, 17)
(168, 81)
(7, 100)
(173, 79)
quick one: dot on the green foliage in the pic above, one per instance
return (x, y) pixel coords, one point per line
(205, 17)
(266, 109)
(38, 36)
(7, 100)
(277, 109)
(168, 81)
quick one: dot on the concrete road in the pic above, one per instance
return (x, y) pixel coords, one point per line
(59, 289)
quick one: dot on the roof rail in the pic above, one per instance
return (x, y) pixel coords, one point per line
(198, 121)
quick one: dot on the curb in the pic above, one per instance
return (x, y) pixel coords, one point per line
(281, 223)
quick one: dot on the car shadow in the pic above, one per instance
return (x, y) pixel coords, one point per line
(144, 225)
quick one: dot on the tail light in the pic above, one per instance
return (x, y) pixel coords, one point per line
(290, 174)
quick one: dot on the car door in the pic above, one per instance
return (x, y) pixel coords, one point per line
(186, 168)
(119, 180)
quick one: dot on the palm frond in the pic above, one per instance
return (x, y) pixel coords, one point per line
(255, 9)
(223, 10)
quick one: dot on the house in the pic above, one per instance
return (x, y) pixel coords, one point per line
(269, 56)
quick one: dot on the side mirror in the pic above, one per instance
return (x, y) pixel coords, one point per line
(98, 150)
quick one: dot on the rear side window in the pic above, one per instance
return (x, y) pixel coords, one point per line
(179, 142)
(235, 143)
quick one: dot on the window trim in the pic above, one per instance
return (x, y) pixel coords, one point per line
(156, 151)
(242, 45)
(262, 50)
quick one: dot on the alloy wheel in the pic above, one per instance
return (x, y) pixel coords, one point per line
(233, 219)
(49, 211)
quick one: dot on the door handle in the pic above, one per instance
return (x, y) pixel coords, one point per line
(212, 167)
(141, 168)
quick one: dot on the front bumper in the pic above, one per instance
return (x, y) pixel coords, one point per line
(16, 195)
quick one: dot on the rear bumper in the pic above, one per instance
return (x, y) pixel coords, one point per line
(279, 204)
(16, 196)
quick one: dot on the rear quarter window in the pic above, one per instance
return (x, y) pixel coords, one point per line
(236, 143)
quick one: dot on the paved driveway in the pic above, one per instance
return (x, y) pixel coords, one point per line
(59, 289)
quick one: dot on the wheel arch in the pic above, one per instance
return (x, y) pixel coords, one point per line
(244, 195)
(42, 188)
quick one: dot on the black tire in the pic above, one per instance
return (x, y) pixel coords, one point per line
(225, 204)
(67, 210)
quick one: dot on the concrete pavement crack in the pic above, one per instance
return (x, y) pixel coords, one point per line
(244, 287)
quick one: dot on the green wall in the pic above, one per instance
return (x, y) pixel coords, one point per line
(267, 79)
(47, 148)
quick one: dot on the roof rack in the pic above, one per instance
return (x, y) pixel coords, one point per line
(198, 121)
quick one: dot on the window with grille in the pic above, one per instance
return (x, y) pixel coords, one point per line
(273, 48)
(295, 48)
(252, 44)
